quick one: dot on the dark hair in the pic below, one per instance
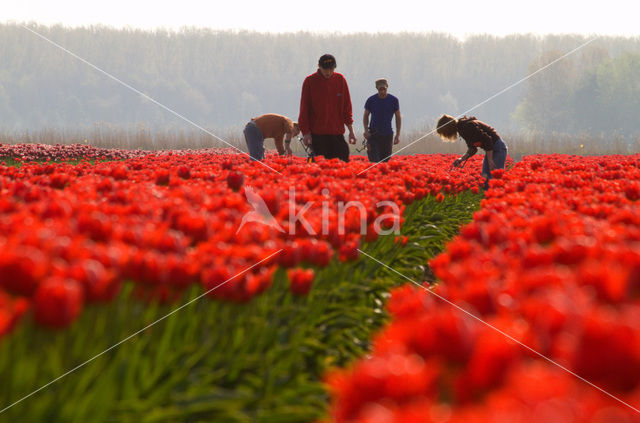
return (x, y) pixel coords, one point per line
(327, 61)
(447, 128)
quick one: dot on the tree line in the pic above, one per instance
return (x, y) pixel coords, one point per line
(220, 79)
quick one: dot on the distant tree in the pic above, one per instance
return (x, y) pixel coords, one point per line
(618, 85)
(590, 93)
(586, 105)
(220, 79)
(586, 101)
(546, 105)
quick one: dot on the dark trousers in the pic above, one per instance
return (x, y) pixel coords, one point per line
(499, 158)
(380, 147)
(330, 146)
(255, 141)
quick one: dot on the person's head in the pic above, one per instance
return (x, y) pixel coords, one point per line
(326, 65)
(447, 128)
(296, 129)
(382, 85)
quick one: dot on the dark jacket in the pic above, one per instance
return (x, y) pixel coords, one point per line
(476, 134)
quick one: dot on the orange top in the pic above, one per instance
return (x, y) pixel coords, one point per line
(274, 126)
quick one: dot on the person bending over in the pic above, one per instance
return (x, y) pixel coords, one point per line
(269, 125)
(476, 134)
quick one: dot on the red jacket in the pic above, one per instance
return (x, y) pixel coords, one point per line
(325, 105)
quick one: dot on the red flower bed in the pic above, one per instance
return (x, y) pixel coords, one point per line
(552, 261)
(43, 152)
(28, 152)
(72, 234)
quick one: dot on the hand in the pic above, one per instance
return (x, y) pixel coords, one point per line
(492, 165)
(288, 150)
(457, 162)
(397, 140)
(352, 138)
(306, 140)
(366, 134)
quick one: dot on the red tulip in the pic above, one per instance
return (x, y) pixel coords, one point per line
(162, 177)
(235, 180)
(21, 269)
(300, 280)
(57, 302)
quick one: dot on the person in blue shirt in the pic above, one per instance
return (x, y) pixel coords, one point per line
(379, 134)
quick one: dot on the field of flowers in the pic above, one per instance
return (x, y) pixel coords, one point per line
(167, 221)
(523, 307)
(536, 318)
(96, 248)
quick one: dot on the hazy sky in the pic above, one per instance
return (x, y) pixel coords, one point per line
(462, 17)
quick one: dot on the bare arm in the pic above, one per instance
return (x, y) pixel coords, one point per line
(279, 144)
(398, 126)
(287, 143)
(352, 136)
(365, 123)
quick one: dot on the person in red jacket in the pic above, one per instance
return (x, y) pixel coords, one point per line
(325, 109)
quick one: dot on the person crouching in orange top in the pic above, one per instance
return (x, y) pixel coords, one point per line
(269, 125)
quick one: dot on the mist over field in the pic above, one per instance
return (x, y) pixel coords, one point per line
(221, 79)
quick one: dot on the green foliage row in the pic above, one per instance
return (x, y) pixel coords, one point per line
(9, 161)
(213, 361)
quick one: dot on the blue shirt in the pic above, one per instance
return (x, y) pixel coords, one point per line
(382, 111)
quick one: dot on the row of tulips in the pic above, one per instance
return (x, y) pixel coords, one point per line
(73, 234)
(218, 360)
(29, 152)
(536, 317)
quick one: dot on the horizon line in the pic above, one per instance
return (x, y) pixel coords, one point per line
(178, 29)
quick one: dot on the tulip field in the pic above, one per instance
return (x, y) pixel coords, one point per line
(550, 271)
(199, 286)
